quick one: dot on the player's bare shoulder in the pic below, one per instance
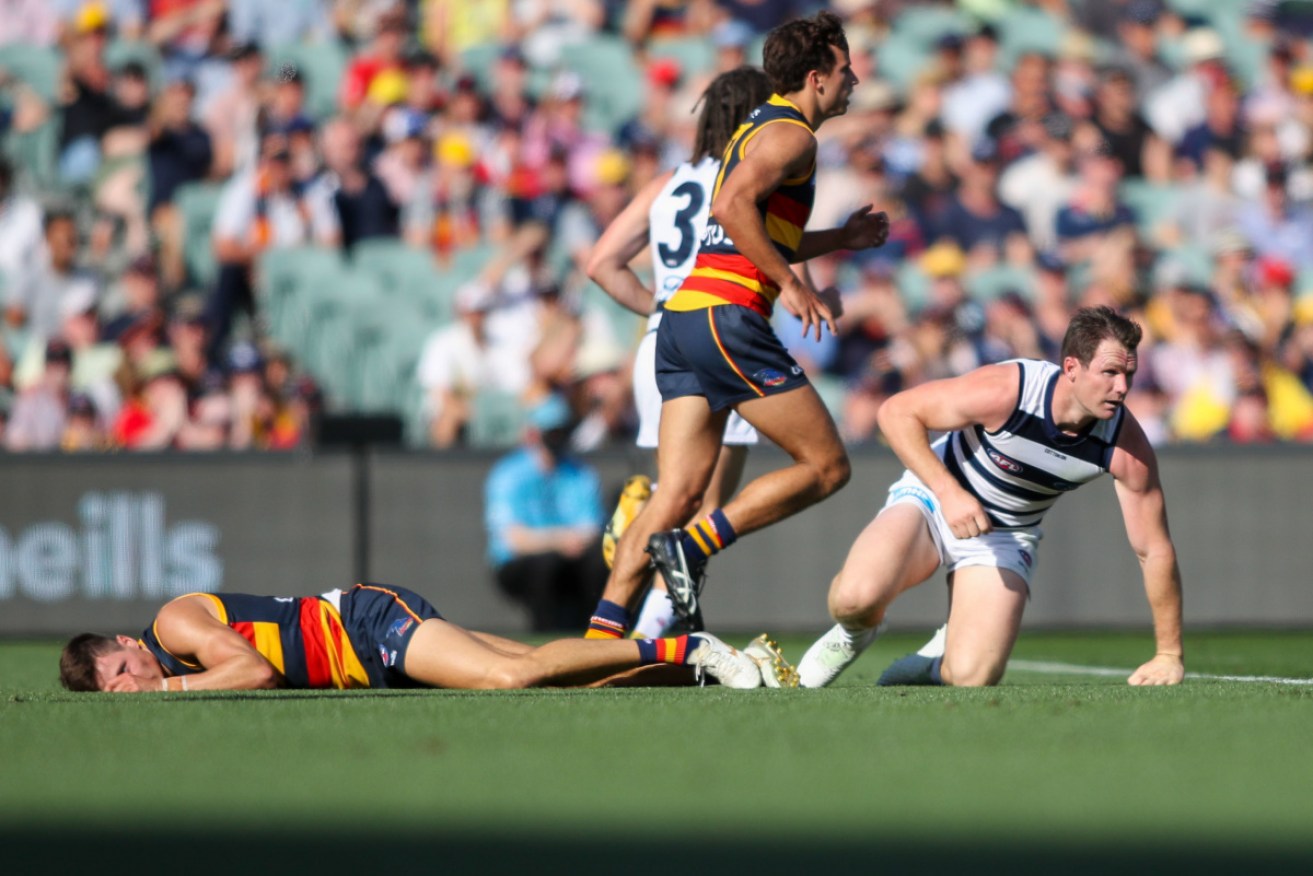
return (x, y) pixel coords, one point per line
(1134, 462)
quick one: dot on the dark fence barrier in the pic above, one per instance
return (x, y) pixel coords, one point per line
(100, 542)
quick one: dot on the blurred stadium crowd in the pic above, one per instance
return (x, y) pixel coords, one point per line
(221, 217)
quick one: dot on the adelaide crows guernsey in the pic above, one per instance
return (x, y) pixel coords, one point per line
(723, 275)
(1019, 471)
(303, 637)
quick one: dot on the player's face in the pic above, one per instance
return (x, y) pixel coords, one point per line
(836, 87)
(1101, 387)
(127, 658)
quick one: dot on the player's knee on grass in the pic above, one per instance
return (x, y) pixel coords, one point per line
(965, 670)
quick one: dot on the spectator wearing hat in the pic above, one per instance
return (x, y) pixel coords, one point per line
(1040, 183)
(731, 38)
(284, 111)
(1275, 226)
(1179, 104)
(449, 203)
(383, 55)
(461, 360)
(543, 512)
(86, 106)
(974, 218)
(660, 84)
(406, 158)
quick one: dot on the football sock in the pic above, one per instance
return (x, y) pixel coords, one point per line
(609, 621)
(935, 676)
(664, 650)
(708, 537)
(655, 616)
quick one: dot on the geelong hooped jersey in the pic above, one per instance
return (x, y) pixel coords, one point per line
(1019, 471)
(721, 274)
(302, 637)
(677, 220)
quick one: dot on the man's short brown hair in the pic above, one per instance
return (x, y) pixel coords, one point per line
(77, 665)
(1091, 326)
(796, 48)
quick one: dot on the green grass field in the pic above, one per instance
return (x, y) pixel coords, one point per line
(1070, 773)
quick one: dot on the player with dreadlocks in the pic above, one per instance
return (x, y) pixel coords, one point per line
(669, 215)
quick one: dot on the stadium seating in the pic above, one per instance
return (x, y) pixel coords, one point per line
(196, 204)
(613, 85)
(37, 66)
(497, 420)
(321, 65)
(694, 54)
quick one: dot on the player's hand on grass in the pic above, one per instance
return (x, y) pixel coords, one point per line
(864, 229)
(1162, 669)
(964, 514)
(808, 306)
(125, 682)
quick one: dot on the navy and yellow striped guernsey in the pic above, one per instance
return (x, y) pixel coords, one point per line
(1020, 470)
(343, 639)
(723, 275)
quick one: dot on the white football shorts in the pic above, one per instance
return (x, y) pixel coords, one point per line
(1016, 550)
(647, 398)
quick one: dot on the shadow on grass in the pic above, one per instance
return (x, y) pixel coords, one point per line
(297, 850)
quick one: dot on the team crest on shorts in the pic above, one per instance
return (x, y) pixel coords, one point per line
(400, 626)
(769, 377)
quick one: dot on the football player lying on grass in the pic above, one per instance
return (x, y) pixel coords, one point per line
(372, 636)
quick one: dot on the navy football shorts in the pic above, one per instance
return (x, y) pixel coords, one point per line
(380, 621)
(727, 353)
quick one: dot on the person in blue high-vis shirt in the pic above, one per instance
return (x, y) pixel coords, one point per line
(543, 511)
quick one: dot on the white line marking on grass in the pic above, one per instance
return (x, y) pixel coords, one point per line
(1074, 669)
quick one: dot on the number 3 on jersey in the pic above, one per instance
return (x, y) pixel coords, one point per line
(679, 253)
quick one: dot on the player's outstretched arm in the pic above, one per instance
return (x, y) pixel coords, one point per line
(189, 628)
(1144, 510)
(986, 396)
(620, 244)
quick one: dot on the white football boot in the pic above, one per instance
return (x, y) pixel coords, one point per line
(729, 666)
(916, 668)
(775, 670)
(831, 654)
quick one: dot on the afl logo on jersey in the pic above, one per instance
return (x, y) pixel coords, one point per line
(1004, 463)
